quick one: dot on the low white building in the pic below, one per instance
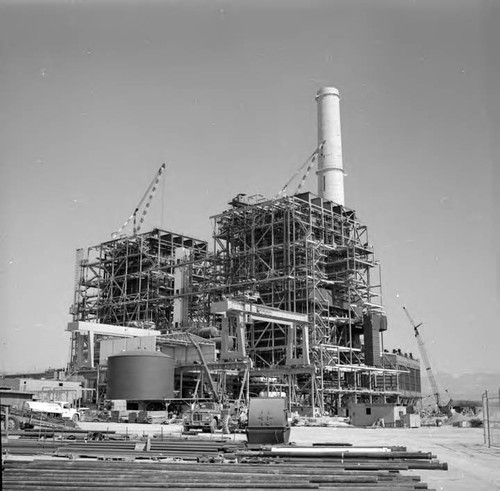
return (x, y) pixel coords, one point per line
(46, 389)
(388, 415)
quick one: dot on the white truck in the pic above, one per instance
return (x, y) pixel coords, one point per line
(62, 409)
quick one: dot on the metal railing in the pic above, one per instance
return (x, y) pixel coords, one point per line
(491, 419)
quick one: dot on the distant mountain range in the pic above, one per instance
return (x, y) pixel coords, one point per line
(467, 386)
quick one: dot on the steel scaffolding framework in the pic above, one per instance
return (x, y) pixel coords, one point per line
(129, 281)
(307, 255)
(302, 254)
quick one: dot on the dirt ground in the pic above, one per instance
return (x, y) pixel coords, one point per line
(472, 466)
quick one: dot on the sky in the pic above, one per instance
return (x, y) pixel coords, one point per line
(96, 95)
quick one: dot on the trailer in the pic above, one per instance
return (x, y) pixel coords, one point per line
(15, 419)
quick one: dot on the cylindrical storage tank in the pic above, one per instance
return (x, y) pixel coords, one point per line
(140, 375)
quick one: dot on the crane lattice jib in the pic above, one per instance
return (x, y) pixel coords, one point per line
(147, 197)
(213, 387)
(149, 194)
(425, 359)
(310, 160)
(428, 369)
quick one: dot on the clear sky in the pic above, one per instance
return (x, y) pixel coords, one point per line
(94, 96)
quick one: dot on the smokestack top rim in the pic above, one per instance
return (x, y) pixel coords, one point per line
(324, 91)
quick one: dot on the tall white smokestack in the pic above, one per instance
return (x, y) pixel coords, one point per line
(330, 171)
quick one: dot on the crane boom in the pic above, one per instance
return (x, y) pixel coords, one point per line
(427, 365)
(309, 163)
(213, 387)
(146, 198)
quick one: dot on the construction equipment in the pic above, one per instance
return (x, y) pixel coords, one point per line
(268, 421)
(443, 408)
(212, 416)
(204, 415)
(61, 409)
(309, 163)
(14, 419)
(146, 200)
(215, 392)
(216, 414)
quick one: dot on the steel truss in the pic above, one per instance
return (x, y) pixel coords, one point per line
(301, 254)
(129, 281)
(308, 255)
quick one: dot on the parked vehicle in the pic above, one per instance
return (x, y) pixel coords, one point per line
(204, 416)
(51, 417)
(9, 422)
(216, 414)
(211, 416)
(62, 409)
(68, 411)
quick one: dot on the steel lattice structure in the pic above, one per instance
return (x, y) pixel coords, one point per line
(301, 254)
(129, 281)
(308, 255)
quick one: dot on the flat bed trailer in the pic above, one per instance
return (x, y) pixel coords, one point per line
(15, 419)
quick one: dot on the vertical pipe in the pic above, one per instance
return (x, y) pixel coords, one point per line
(397, 380)
(322, 380)
(313, 395)
(90, 335)
(6, 423)
(248, 388)
(484, 418)
(339, 397)
(370, 387)
(98, 377)
(488, 418)
(330, 170)
(384, 398)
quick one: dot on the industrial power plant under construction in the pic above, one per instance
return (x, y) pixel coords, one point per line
(279, 322)
(287, 301)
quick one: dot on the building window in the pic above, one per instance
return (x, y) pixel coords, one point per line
(368, 410)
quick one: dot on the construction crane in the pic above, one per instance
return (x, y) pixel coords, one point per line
(309, 163)
(444, 408)
(146, 201)
(213, 387)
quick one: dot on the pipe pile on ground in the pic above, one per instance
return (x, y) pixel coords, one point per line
(130, 449)
(210, 464)
(134, 475)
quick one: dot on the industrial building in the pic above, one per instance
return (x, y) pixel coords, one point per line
(44, 389)
(287, 299)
